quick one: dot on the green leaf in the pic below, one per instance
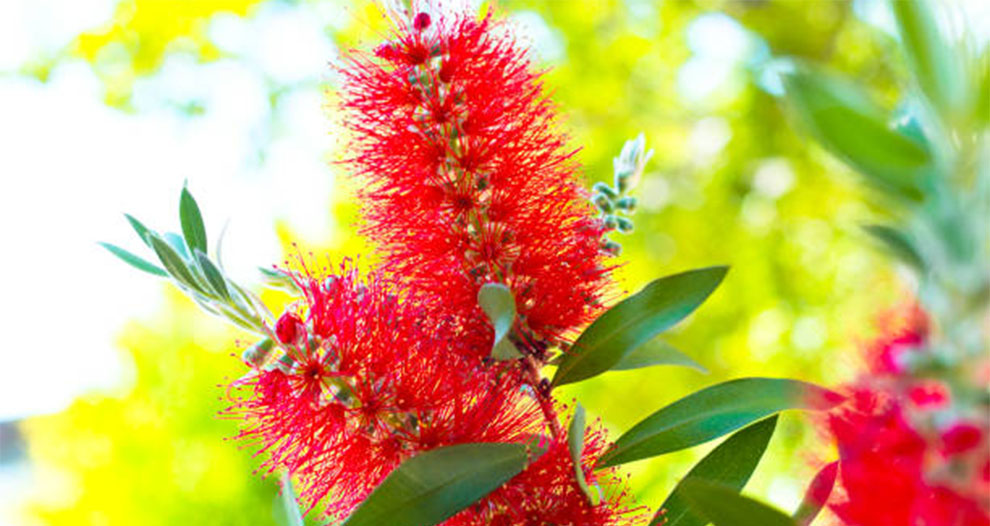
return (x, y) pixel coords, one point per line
(817, 494)
(134, 261)
(500, 307)
(173, 262)
(575, 444)
(730, 464)
(848, 123)
(192, 222)
(936, 67)
(142, 231)
(659, 353)
(725, 507)
(713, 412)
(289, 512)
(898, 243)
(431, 487)
(635, 321)
(213, 275)
(177, 243)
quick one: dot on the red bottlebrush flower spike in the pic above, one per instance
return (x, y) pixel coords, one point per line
(366, 386)
(547, 493)
(469, 181)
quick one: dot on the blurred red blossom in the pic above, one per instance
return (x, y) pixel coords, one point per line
(907, 457)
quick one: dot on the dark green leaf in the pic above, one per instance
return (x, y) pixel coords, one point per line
(213, 275)
(134, 261)
(898, 243)
(635, 321)
(173, 263)
(848, 123)
(817, 494)
(657, 353)
(936, 66)
(192, 222)
(142, 231)
(730, 464)
(431, 487)
(500, 307)
(575, 443)
(725, 507)
(713, 412)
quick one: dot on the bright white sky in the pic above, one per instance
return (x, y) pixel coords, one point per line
(71, 166)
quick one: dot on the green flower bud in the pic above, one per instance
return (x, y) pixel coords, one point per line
(626, 203)
(611, 222)
(603, 203)
(623, 181)
(612, 248)
(624, 224)
(256, 354)
(605, 190)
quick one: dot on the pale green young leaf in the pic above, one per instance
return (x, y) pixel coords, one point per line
(193, 229)
(133, 260)
(498, 304)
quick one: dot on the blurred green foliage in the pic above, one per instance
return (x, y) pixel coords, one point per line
(731, 183)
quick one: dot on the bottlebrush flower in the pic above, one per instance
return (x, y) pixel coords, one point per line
(891, 474)
(905, 458)
(365, 385)
(547, 493)
(468, 179)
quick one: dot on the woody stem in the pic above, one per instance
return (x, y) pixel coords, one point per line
(532, 372)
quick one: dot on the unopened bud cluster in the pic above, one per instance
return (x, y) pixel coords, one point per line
(614, 202)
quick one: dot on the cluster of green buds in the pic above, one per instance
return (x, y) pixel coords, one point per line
(614, 203)
(184, 261)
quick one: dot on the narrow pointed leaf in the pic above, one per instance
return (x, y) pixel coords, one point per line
(713, 412)
(498, 304)
(142, 231)
(213, 275)
(192, 222)
(173, 263)
(817, 494)
(575, 444)
(134, 261)
(290, 512)
(658, 353)
(897, 243)
(431, 487)
(725, 507)
(937, 69)
(853, 127)
(177, 243)
(635, 321)
(730, 464)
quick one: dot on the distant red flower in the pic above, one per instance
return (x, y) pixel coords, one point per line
(900, 463)
(367, 386)
(902, 330)
(886, 471)
(468, 179)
